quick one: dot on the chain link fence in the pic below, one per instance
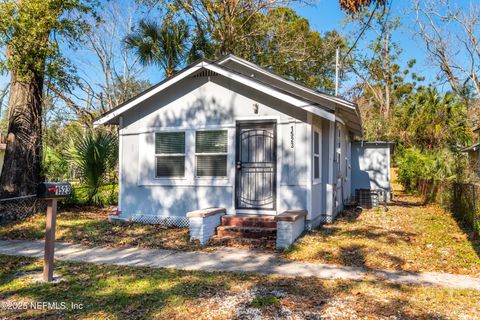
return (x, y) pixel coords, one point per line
(19, 208)
(466, 204)
(462, 199)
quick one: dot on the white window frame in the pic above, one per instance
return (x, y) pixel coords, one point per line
(157, 155)
(210, 154)
(338, 147)
(316, 157)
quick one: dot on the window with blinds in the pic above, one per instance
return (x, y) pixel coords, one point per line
(169, 154)
(211, 149)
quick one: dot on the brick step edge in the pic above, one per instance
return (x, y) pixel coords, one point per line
(257, 222)
(247, 232)
(244, 242)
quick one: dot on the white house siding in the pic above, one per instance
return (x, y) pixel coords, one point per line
(317, 214)
(341, 171)
(333, 188)
(196, 104)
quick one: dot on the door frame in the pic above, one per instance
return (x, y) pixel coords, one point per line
(257, 123)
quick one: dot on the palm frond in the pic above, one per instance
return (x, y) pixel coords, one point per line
(94, 155)
(164, 45)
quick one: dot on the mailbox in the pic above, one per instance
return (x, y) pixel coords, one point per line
(50, 190)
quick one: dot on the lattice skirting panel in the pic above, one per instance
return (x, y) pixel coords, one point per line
(326, 219)
(172, 221)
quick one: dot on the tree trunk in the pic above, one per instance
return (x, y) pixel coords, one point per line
(21, 170)
(387, 77)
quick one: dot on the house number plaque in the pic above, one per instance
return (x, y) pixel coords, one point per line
(292, 137)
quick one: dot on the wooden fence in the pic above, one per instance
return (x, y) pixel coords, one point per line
(462, 199)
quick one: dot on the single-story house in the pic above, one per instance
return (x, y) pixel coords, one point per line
(473, 153)
(229, 137)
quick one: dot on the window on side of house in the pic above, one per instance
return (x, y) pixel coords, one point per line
(211, 149)
(339, 147)
(316, 155)
(169, 154)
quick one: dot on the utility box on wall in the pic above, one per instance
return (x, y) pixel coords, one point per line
(371, 166)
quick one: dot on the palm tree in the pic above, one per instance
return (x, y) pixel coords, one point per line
(164, 45)
(355, 6)
(94, 155)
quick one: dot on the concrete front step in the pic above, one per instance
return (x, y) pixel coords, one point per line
(258, 221)
(247, 232)
(243, 242)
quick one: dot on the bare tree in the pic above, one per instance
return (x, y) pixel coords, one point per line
(103, 53)
(451, 36)
(119, 67)
(376, 67)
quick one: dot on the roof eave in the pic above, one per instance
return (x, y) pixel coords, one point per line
(331, 98)
(111, 116)
(354, 122)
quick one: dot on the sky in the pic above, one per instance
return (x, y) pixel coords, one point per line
(324, 15)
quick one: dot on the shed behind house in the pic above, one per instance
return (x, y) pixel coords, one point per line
(371, 166)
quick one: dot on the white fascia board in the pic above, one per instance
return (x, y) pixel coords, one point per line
(272, 92)
(320, 112)
(239, 78)
(147, 95)
(320, 95)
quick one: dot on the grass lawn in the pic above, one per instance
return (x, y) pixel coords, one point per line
(113, 292)
(410, 236)
(89, 226)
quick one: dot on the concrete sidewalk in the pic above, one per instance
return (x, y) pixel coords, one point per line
(231, 260)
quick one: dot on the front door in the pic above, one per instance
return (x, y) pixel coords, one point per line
(255, 181)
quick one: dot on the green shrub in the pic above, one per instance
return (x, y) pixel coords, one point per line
(107, 195)
(94, 154)
(54, 165)
(414, 164)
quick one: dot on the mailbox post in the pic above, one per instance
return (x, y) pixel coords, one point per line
(51, 192)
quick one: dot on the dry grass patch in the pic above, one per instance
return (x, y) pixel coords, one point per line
(89, 226)
(113, 292)
(410, 236)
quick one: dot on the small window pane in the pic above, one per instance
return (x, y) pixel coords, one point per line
(170, 166)
(212, 166)
(169, 142)
(316, 142)
(211, 141)
(316, 167)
